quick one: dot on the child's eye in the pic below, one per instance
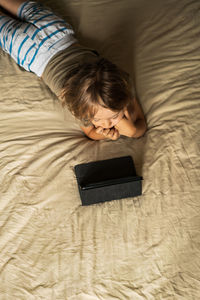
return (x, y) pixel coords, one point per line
(96, 120)
(115, 117)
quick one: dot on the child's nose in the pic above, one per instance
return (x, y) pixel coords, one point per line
(107, 123)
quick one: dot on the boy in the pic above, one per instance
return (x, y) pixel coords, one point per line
(96, 91)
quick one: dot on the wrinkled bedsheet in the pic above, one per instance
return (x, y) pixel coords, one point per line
(146, 247)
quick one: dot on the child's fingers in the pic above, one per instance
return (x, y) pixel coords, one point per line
(106, 132)
(111, 133)
(115, 135)
(99, 130)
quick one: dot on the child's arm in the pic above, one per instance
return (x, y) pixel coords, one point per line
(101, 133)
(133, 123)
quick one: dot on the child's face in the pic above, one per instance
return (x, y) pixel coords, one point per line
(106, 118)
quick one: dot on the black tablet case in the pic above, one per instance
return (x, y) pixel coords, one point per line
(108, 180)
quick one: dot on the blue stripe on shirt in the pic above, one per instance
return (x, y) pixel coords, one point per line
(42, 42)
(36, 11)
(27, 27)
(11, 43)
(4, 25)
(22, 63)
(35, 8)
(53, 44)
(9, 28)
(21, 8)
(3, 40)
(45, 26)
(43, 17)
(32, 24)
(5, 37)
(20, 47)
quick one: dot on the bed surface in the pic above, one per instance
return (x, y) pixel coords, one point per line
(146, 247)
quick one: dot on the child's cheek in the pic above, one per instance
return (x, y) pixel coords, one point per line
(115, 122)
(95, 124)
(118, 120)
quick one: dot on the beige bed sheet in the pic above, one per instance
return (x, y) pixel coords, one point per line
(146, 247)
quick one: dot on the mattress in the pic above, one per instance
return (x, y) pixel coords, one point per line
(146, 247)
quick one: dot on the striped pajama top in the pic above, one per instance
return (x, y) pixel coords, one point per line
(35, 37)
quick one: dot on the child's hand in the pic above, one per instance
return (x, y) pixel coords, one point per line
(125, 126)
(110, 133)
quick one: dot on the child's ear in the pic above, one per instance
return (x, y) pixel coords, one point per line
(126, 114)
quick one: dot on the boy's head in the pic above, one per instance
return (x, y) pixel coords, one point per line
(97, 92)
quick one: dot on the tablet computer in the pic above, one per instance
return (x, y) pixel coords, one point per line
(107, 180)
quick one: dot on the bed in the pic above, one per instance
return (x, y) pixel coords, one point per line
(146, 247)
